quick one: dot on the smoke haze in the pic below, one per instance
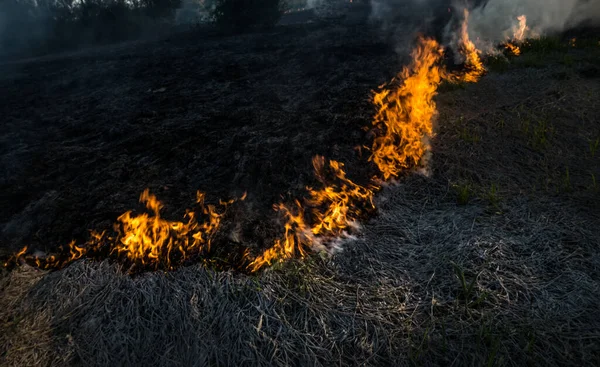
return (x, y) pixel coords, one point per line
(494, 20)
(490, 20)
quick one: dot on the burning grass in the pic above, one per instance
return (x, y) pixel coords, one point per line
(442, 284)
(404, 125)
(428, 282)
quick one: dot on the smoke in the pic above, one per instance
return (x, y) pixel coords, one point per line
(490, 20)
(494, 20)
(400, 21)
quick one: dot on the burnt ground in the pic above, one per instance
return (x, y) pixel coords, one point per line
(84, 134)
(492, 259)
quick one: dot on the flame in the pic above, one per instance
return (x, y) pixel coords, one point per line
(152, 240)
(573, 42)
(145, 239)
(16, 257)
(514, 49)
(519, 33)
(404, 123)
(405, 111)
(519, 30)
(473, 64)
(335, 208)
(339, 203)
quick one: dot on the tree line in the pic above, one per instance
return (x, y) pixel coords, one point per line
(41, 26)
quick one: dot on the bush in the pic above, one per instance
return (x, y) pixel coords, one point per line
(241, 15)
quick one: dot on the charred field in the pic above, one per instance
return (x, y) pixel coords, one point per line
(220, 115)
(491, 259)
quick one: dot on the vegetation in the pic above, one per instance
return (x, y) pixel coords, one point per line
(544, 45)
(463, 193)
(47, 25)
(38, 27)
(427, 282)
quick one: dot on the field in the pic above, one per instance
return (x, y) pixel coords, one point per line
(491, 259)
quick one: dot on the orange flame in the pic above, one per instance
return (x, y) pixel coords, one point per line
(514, 49)
(519, 33)
(145, 239)
(473, 64)
(150, 239)
(16, 257)
(405, 112)
(335, 208)
(404, 118)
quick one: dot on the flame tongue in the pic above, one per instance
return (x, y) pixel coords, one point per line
(518, 37)
(404, 123)
(335, 208)
(472, 61)
(519, 31)
(146, 239)
(152, 240)
(405, 113)
(512, 48)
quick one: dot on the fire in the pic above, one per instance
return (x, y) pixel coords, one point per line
(335, 208)
(514, 49)
(519, 32)
(74, 252)
(151, 240)
(340, 203)
(297, 236)
(405, 112)
(146, 239)
(16, 257)
(473, 64)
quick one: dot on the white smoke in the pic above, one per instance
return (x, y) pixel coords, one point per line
(494, 21)
(491, 20)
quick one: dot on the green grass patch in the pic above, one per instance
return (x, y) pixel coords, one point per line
(492, 196)
(465, 132)
(538, 130)
(541, 133)
(468, 292)
(463, 192)
(593, 146)
(498, 63)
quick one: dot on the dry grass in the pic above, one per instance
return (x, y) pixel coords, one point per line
(427, 283)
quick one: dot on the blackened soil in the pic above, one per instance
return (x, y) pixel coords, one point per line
(84, 134)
